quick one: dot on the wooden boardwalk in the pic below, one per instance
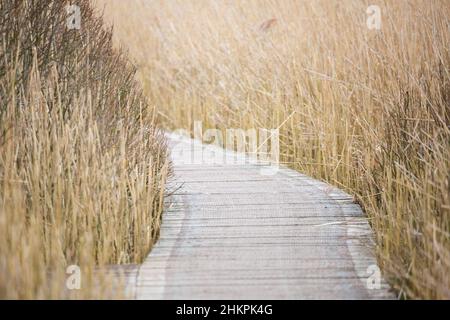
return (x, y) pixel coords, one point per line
(232, 233)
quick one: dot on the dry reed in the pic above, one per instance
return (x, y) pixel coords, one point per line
(82, 165)
(371, 107)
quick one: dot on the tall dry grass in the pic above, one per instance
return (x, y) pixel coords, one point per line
(369, 109)
(82, 166)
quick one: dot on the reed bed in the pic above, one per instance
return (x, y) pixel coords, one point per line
(368, 110)
(82, 164)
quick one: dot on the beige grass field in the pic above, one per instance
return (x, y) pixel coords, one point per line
(82, 166)
(368, 110)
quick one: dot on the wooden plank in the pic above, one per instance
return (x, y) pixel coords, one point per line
(229, 232)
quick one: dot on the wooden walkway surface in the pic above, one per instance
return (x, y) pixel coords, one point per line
(232, 233)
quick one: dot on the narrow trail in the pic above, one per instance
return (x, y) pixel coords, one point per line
(232, 233)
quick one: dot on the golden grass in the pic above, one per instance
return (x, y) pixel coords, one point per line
(82, 166)
(371, 108)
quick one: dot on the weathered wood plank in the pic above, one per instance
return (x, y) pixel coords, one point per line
(231, 233)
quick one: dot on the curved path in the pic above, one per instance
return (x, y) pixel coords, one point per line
(232, 233)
